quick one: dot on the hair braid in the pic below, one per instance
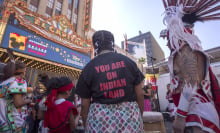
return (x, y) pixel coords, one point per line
(103, 40)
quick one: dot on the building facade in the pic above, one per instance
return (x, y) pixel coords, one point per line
(151, 50)
(49, 36)
(74, 10)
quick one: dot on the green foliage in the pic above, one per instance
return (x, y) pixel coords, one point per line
(141, 60)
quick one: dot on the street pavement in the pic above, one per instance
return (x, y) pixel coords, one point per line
(167, 122)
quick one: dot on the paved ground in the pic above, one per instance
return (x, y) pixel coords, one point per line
(168, 126)
(167, 122)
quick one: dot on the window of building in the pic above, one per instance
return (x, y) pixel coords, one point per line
(76, 7)
(49, 11)
(50, 3)
(76, 3)
(34, 3)
(32, 8)
(70, 4)
(47, 15)
(69, 13)
(58, 8)
(74, 18)
(57, 12)
(59, 5)
(70, 7)
(75, 27)
(70, 1)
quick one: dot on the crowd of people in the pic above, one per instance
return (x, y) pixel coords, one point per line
(110, 95)
(39, 109)
(50, 108)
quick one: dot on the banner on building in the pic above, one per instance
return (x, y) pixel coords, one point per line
(152, 79)
(27, 42)
(57, 28)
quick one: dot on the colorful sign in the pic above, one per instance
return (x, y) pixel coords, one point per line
(28, 43)
(17, 41)
(152, 79)
(87, 15)
(57, 28)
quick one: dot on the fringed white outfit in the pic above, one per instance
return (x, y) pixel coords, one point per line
(12, 119)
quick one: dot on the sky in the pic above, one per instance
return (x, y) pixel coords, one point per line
(132, 16)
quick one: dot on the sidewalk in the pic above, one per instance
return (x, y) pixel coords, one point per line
(167, 122)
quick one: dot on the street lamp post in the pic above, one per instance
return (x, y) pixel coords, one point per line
(158, 104)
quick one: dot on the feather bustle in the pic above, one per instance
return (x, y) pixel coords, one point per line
(189, 3)
(180, 2)
(204, 10)
(200, 4)
(205, 6)
(165, 4)
(210, 18)
(193, 4)
(213, 15)
(209, 11)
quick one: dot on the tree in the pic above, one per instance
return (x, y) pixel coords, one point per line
(141, 61)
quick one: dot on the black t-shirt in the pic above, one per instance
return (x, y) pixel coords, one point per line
(109, 79)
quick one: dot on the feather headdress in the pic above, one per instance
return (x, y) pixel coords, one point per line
(182, 14)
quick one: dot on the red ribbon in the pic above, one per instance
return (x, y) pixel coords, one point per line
(50, 102)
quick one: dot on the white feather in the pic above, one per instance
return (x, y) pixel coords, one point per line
(177, 30)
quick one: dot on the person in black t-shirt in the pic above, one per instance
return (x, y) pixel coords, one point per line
(114, 83)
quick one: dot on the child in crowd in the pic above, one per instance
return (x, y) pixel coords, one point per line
(13, 103)
(39, 99)
(60, 114)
